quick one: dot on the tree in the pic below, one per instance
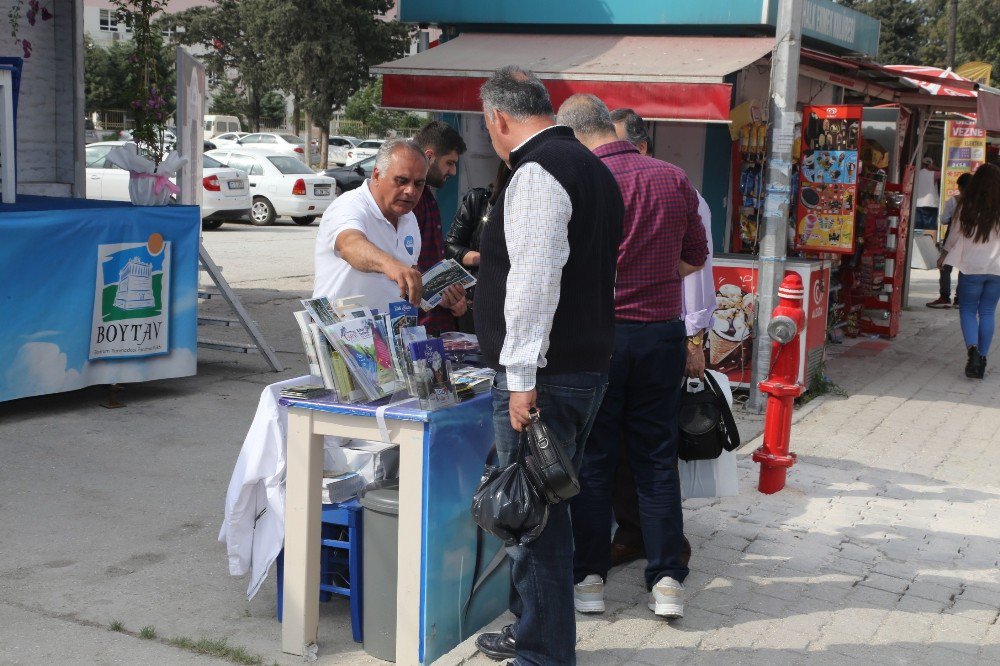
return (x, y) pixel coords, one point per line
(336, 42)
(108, 80)
(238, 38)
(975, 37)
(365, 106)
(272, 108)
(227, 100)
(902, 21)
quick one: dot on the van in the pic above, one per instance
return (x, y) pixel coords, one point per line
(221, 124)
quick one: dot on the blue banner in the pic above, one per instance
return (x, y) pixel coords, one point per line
(95, 292)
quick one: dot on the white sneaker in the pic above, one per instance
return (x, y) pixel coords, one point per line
(667, 598)
(588, 596)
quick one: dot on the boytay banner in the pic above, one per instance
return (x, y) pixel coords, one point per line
(95, 292)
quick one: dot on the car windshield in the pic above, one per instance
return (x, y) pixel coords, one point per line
(370, 144)
(291, 138)
(289, 165)
(208, 163)
(367, 165)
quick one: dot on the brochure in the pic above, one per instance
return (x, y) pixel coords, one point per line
(439, 277)
(430, 374)
(303, 319)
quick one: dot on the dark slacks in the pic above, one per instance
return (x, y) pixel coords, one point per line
(639, 413)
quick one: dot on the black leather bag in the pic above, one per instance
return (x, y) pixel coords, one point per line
(508, 504)
(706, 423)
(548, 463)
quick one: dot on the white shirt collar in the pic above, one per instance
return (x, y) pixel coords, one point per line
(546, 129)
(370, 200)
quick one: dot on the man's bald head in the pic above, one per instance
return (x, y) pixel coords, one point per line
(589, 119)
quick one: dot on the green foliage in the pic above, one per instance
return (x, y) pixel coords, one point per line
(365, 106)
(148, 632)
(272, 107)
(227, 100)
(217, 648)
(117, 625)
(109, 80)
(899, 40)
(977, 35)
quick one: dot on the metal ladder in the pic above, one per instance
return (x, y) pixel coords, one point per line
(242, 318)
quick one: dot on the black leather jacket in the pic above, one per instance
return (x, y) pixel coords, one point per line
(467, 227)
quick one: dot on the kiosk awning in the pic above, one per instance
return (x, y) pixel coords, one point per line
(661, 77)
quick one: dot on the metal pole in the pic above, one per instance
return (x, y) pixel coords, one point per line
(777, 200)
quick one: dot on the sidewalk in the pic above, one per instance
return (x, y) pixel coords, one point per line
(883, 547)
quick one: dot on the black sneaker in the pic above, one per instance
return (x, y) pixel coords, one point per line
(982, 367)
(498, 646)
(975, 364)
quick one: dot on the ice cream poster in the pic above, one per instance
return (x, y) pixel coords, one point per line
(828, 178)
(730, 340)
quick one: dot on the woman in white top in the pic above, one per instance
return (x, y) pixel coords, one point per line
(975, 251)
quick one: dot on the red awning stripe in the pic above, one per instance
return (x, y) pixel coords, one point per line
(700, 102)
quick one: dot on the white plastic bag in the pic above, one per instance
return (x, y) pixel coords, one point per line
(711, 478)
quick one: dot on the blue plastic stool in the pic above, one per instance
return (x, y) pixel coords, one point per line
(340, 560)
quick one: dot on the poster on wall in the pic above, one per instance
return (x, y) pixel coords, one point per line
(964, 151)
(828, 178)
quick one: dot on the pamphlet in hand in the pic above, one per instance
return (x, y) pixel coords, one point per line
(439, 277)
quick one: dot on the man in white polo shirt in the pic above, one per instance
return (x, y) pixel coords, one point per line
(369, 241)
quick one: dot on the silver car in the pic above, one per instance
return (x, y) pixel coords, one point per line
(339, 145)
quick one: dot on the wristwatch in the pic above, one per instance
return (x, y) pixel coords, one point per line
(697, 339)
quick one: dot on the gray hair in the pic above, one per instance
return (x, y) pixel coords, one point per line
(517, 92)
(586, 115)
(383, 158)
(635, 126)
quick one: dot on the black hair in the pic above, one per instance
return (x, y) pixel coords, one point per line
(440, 137)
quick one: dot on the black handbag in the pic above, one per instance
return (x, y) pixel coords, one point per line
(508, 505)
(706, 423)
(548, 463)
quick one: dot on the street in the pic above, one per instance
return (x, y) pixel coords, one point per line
(883, 547)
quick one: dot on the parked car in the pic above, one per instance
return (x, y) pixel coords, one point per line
(225, 194)
(279, 144)
(351, 176)
(338, 147)
(280, 185)
(228, 138)
(364, 149)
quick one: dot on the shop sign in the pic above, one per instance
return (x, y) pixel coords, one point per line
(964, 151)
(828, 179)
(131, 300)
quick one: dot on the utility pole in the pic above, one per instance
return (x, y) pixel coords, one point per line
(952, 29)
(777, 200)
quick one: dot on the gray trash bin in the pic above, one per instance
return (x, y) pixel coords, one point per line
(381, 536)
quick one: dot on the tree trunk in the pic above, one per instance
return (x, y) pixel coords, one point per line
(324, 147)
(952, 30)
(296, 115)
(308, 137)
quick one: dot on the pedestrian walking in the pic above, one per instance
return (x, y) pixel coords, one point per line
(662, 240)
(545, 320)
(975, 251)
(943, 301)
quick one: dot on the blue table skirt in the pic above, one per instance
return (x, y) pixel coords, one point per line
(58, 308)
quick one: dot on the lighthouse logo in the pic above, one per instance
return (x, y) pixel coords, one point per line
(131, 298)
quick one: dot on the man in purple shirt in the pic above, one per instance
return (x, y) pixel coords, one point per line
(662, 241)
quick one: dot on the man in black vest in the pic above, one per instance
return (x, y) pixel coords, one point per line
(545, 320)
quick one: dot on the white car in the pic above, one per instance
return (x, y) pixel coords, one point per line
(227, 139)
(338, 147)
(364, 149)
(225, 193)
(280, 185)
(279, 144)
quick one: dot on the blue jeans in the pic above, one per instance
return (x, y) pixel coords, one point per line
(977, 307)
(639, 412)
(542, 571)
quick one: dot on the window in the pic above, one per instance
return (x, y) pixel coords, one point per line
(290, 165)
(370, 144)
(108, 21)
(234, 127)
(208, 125)
(97, 155)
(251, 138)
(246, 164)
(208, 163)
(291, 138)
(268, 138)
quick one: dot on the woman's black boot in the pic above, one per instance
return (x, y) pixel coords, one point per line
(974, 364)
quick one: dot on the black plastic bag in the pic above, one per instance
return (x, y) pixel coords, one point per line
(508, 505)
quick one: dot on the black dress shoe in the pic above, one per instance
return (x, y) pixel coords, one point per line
(498, 646)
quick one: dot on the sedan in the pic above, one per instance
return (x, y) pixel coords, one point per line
(280, 185)
(228, 138)
(225, 191)
(279, 144)
(338, 147)
(351, 176)
(364, 149)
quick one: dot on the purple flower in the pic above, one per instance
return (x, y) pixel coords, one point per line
(46, 14)
(26, 47)
(31, 16)
(33, 5)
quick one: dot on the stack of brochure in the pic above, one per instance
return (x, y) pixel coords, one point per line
(439, 277)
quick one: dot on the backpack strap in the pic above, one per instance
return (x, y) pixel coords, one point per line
(732, 432)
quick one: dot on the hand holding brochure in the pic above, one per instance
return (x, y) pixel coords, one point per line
(439, 277)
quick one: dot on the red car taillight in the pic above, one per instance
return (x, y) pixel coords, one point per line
(299, 187)
(299, 150)
(211, 183)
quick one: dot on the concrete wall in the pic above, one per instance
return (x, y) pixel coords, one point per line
(50, 108)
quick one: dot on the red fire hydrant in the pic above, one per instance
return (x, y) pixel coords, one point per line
(781, 386)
